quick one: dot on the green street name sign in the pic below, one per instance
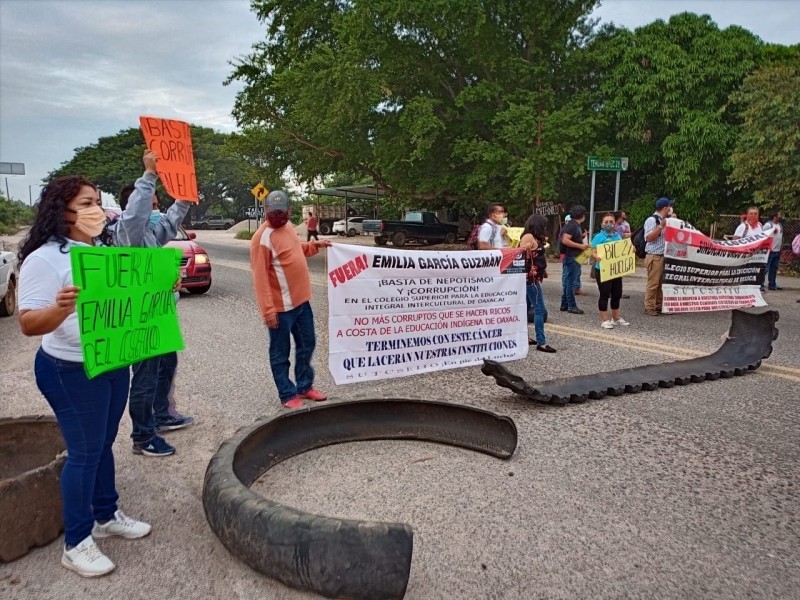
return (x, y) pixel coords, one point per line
(612, 163)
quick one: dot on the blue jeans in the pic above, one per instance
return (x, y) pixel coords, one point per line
(88, 413)
(772, 269)
(299, 323)
(570, 278)
(150, 387)
(535, 298)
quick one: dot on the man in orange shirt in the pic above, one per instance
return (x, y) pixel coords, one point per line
(282, 286)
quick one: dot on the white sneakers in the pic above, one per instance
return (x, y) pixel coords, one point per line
(87, 560)
(122, 526)
(611, 322)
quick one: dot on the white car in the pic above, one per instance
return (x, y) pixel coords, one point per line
(8, 283)
(354, 226)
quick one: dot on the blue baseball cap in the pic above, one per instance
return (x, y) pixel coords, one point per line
(276, 200)
(664, 203)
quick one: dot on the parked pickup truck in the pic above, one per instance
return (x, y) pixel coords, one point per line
(416, 225)
(8, 283)
(213, 222)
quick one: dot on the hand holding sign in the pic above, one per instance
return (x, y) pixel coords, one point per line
(172, 142)
(66, 299)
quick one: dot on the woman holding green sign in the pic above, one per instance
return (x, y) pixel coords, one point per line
(88, 410)
(611, 289)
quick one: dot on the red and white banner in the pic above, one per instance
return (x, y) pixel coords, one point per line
(394, 313)
(702, 274)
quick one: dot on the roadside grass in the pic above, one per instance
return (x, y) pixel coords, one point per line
(244, 235)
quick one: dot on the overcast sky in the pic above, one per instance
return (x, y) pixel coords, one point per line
(72, 71)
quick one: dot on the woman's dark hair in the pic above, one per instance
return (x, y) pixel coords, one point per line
(49, 221)
(536, 225)
(608, 214)
(493, 207)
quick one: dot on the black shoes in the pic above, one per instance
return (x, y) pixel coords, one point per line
(545, 348)
(575, 311)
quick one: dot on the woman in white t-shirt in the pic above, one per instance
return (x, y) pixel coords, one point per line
(88, 410)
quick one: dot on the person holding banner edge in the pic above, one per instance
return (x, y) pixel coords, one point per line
(282, 286)
(613, 287)
(88, 411)
(142, 224)
(654, 228)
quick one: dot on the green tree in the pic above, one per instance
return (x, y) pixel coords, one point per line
(225, 175)
(766, 158)
(665, 93)
(438, 100)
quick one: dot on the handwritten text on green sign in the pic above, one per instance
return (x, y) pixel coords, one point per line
(126, 306)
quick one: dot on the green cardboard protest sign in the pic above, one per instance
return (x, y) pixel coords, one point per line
(126, 307)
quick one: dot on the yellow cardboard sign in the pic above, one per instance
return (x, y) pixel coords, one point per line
(514, 235)
(617, 259)
(260, 191)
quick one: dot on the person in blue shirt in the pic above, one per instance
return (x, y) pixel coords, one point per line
(611, 289)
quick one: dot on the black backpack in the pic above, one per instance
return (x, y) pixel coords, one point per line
(638, 241)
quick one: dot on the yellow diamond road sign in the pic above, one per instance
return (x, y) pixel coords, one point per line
(260, 191)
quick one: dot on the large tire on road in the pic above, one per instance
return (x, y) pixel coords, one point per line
(325, 228)
(450, 238)
(9, 303)
(337, 558)
(380, 240)
(399, 239)
(351, 232)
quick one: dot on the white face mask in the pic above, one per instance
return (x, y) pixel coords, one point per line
(504, 221)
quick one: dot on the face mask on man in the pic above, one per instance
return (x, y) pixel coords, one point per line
(155, 218)
(89, 220)
(277, 218)
(608, 227)
(504, 221)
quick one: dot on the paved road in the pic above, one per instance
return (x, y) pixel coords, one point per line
(687, 492)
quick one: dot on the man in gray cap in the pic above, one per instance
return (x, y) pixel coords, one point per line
(654, 261)
(282, 286)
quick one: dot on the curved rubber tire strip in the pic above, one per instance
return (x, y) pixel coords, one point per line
(749, 340)
(337, 558)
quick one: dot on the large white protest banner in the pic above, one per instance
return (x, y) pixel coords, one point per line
(703, 274)
(394, 313)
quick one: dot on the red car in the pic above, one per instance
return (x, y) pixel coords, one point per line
(195, 264)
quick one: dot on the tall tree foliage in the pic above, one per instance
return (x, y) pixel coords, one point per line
(665, 92)
(432, 98)
(224, 175)
(766, 158)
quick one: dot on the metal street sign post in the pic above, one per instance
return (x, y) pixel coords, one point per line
(599, 163)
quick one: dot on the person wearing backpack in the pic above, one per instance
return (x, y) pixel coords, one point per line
(492, 233)
(654, 259)
(572, 243)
